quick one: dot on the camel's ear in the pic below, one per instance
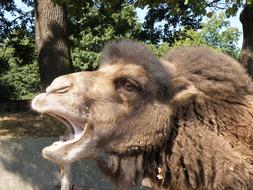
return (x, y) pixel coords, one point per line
(184, 90)
(175, 89)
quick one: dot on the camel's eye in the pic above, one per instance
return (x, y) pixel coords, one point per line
(126, 84)
(129, 86)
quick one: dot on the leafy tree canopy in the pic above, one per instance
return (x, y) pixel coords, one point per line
(167, 20)
(216, 32)
(20, 18)
(97, 26)
(19, 77)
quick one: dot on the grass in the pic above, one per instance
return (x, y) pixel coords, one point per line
(29, 124)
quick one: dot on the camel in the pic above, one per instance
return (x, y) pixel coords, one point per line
(184, 121)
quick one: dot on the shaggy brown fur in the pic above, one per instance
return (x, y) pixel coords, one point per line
(185, 122)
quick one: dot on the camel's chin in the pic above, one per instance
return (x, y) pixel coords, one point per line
(56, 153)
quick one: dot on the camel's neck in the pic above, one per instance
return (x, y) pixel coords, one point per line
(124, 171)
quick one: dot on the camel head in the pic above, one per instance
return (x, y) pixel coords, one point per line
(122, 107)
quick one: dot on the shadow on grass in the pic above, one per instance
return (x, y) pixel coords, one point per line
(29, 124)
(22, 167)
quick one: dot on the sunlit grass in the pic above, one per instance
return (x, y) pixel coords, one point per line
(29, 124)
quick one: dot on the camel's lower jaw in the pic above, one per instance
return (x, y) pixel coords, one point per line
(60, 154)
(51, 154)
(64, 151)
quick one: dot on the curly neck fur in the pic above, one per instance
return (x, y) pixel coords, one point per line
(181, 162)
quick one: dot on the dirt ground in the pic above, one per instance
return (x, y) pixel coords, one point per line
(29, 124)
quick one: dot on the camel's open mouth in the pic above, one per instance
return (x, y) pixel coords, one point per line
(75, 131)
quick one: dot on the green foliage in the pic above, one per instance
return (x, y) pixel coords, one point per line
(19, 77)
(165, 22)
(249, 2)
(18, 68)
(216, 33)
(99, 25)
(201, 7)
(20, 18)
(178, 15)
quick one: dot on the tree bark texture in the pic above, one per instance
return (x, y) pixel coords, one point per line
(52, 41)
(246, 56)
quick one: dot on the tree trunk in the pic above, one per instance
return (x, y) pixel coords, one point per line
(52, 41)
(246, 56)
